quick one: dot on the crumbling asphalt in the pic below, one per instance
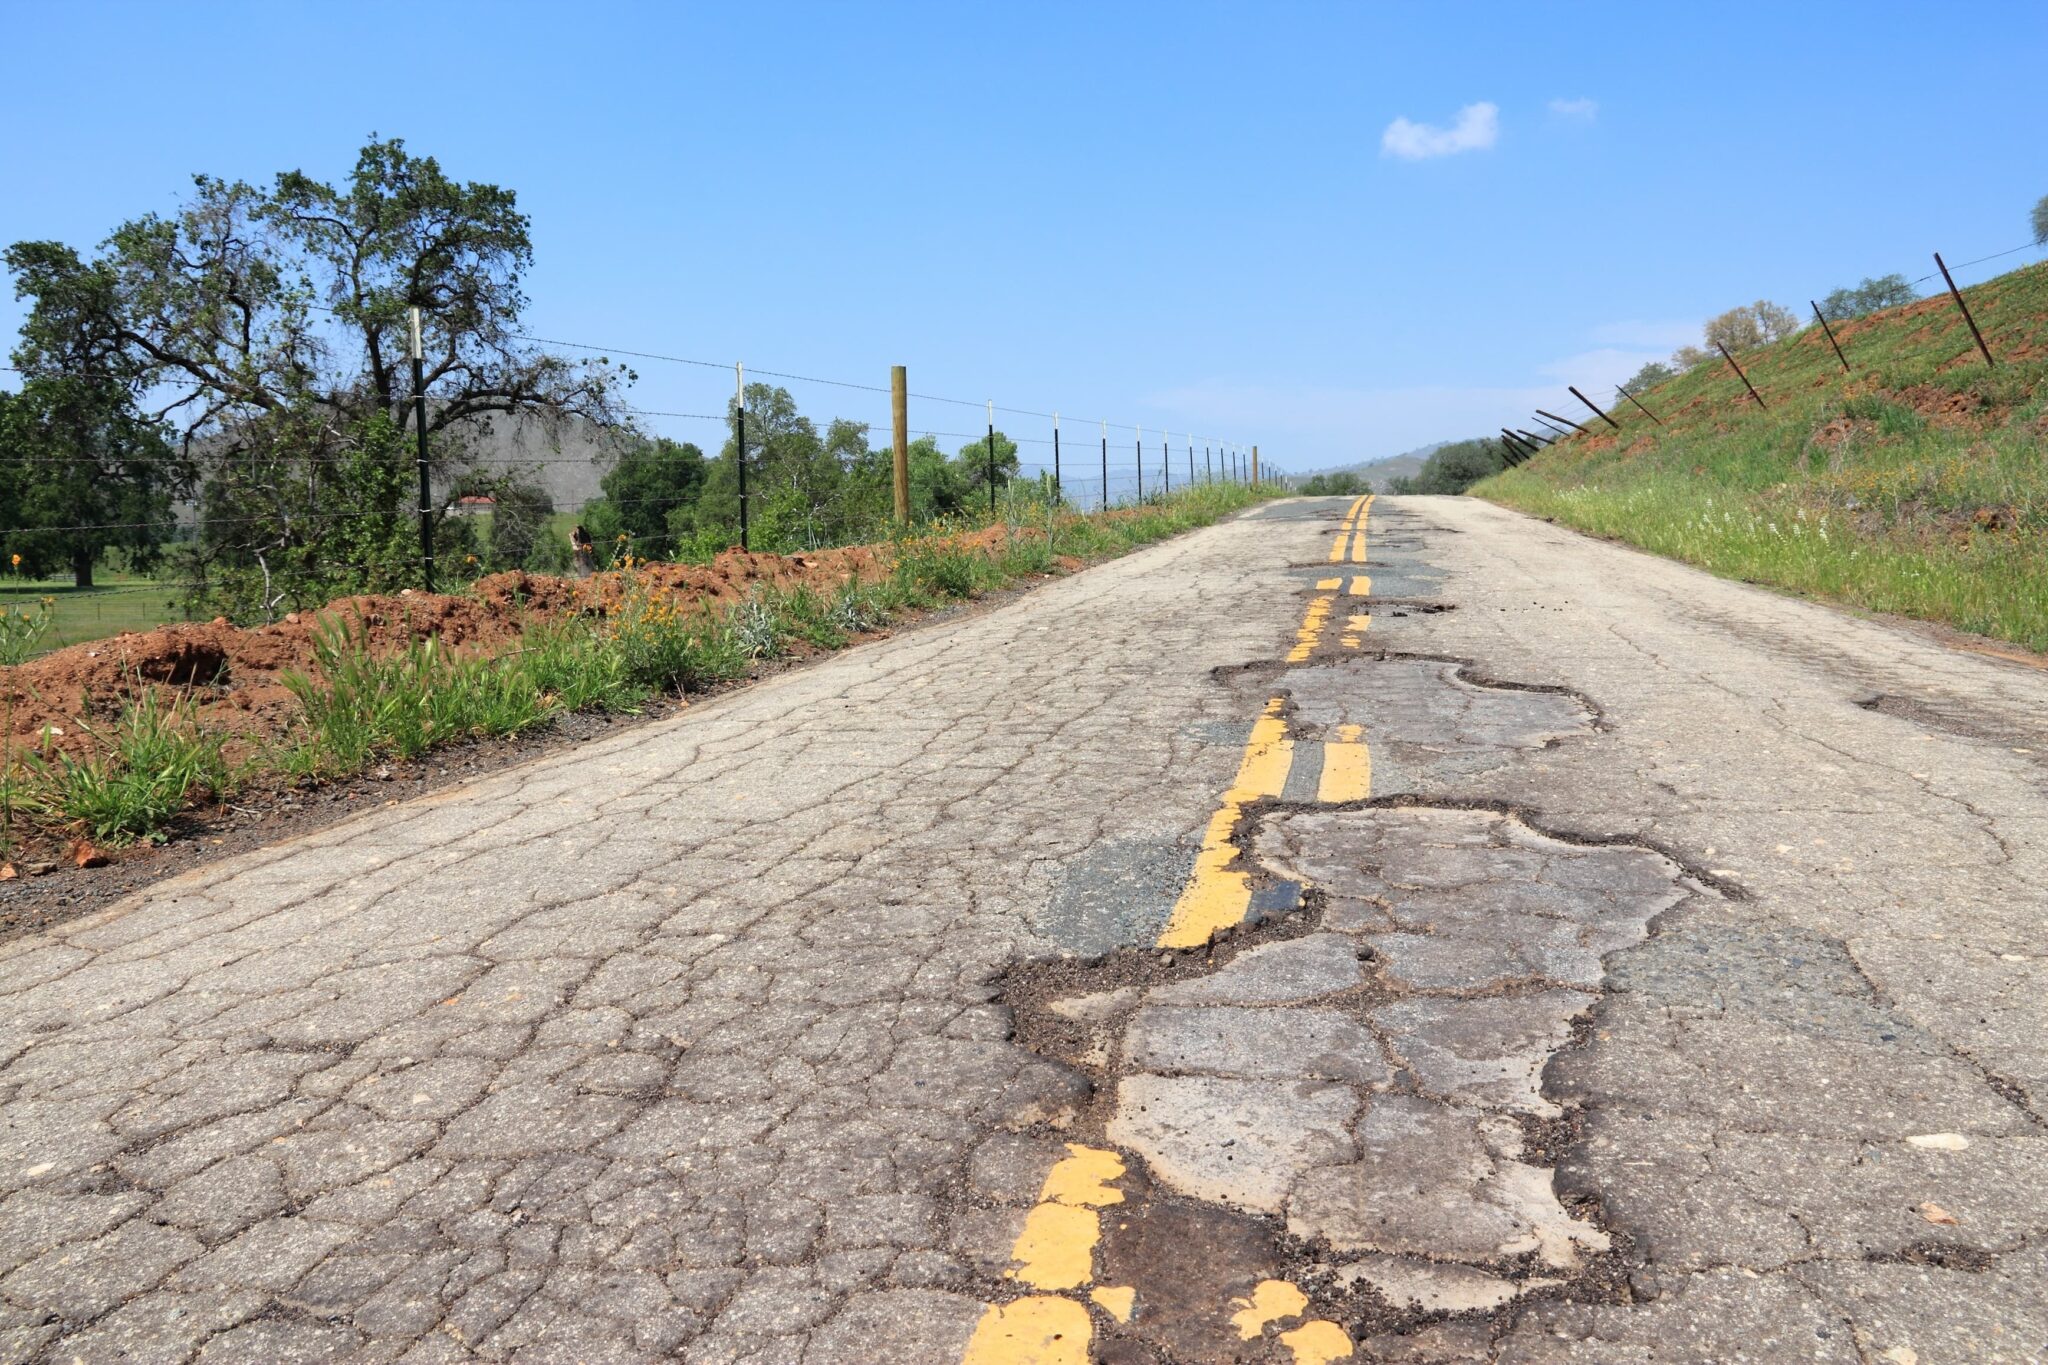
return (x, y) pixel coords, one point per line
(1672, 990)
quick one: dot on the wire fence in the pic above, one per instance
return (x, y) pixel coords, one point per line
(1548, 428)
(1090, 470)
(1083, 465)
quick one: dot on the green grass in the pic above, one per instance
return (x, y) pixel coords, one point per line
(151, 764)
(115, 603)
(1916, 484)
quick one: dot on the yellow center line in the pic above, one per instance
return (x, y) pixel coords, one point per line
(1360, 513)
(1344, 528)
(1056, 1251)
(1218, 895)
(1347, 767)
(1312, 623)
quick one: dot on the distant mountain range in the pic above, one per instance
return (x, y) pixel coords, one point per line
(1387, 468)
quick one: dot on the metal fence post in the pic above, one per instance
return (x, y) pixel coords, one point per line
(1821, 318)
(419, 417)
(991, 459)
(1740, 375)
(1645, 411)
(1056, 458)
(740, 443)
(1957, 295)
(1595, 406)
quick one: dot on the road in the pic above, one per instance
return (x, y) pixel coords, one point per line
(1400, 931)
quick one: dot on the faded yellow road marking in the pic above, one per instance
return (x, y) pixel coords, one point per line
(1269, 1303)
(1217, 895)
(1317, 1343)
(1344, 528)
(1363, 511)
(1329, 584)
(1115, 1300)
(1056, 1250)
(1312, 623)
(1082, 1177)
(1040, 1330)
(1347, 767)
(1361, 586)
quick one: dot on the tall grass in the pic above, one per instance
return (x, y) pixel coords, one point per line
(141, 772)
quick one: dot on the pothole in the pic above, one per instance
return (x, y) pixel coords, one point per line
(1350, 1100)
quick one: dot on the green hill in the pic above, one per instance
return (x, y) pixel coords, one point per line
(1917, 483)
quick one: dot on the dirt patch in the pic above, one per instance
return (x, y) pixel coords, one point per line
(1931, 400)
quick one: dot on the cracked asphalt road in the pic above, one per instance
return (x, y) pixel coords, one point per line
(1688, 1007)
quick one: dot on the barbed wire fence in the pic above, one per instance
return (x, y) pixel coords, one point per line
(1107, 464)
(1520, 444)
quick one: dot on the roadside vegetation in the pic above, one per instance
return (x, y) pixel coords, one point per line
(1916, 483)
(632, 639)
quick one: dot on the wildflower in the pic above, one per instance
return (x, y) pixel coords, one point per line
(15, 561)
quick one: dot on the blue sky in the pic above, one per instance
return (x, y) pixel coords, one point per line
(1336, 230)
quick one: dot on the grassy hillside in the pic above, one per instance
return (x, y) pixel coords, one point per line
(1916, 484)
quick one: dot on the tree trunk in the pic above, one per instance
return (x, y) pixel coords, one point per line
(81, 566)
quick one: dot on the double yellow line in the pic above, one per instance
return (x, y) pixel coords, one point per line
(1350, 543)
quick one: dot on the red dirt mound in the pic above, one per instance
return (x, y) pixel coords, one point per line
(234, 676)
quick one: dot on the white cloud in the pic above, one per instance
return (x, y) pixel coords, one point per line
(1583, 110)
(1477, 127)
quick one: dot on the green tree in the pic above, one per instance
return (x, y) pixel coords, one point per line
(281, 315)
(652, 482)
(87, 469)
(2040, 222)
(938, 487)
(1347, 482)
(1650, 376)
(974, 466)
(85, 472)
(1750, 326)
(1456, 467)
(794, 482)
(1870, 296)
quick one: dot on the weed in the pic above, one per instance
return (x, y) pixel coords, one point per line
(663, 646)
(361, 706)
(22, 629)
(857, 610)
(755, 629)
(144, 770)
